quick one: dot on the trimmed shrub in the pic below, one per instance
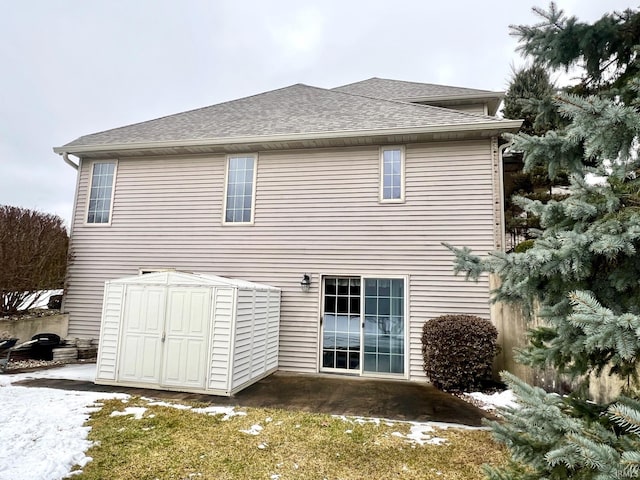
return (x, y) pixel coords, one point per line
(458, 351)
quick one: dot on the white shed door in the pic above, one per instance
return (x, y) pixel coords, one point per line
(143, 323)
(187, 337)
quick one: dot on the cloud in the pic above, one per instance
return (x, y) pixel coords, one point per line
(298, 32)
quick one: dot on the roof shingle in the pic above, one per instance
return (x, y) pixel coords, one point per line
(398, 90)
(297, 109)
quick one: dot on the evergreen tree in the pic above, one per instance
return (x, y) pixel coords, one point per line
(582, 272)
(530, 97)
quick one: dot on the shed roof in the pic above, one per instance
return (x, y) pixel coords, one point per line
(172, 277)
(295, 112)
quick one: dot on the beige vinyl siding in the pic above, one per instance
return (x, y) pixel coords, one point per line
(316, 212)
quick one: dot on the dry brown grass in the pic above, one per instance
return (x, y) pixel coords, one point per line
(167, 443)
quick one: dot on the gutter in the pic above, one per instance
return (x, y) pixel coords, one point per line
(502, 125)
(65, 157)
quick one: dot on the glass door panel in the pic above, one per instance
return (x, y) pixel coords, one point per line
(341, 323)
(384, 325)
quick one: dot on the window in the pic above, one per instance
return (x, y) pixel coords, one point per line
(241, 172)
(101, 192)
(392, 174)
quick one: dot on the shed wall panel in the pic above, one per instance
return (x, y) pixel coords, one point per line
(241, 370)
(221, 335)
(110, 332)
(316, 211)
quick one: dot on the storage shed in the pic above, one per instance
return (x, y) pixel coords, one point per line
(187, 332)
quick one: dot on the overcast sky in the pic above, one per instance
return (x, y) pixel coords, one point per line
(74, 67)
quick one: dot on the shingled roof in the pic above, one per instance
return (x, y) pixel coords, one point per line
(297, 111)
(401, 90)
(425, 93)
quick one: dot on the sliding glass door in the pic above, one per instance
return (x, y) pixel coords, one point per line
(384, 325)
(341, 324)
(363, 325)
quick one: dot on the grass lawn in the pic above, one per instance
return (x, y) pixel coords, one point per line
(165, 442)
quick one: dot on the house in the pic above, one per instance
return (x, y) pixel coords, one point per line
(341, 198)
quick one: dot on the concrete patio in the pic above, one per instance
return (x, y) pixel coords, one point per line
(390, 399)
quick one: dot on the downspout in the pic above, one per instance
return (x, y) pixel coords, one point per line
(75, 166)
(501, 150)
(65, 157)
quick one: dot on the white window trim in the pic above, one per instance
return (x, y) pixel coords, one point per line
(381, 198)
(253, 190)
(88, 196)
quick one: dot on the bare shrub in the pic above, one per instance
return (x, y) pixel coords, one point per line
(33, 256)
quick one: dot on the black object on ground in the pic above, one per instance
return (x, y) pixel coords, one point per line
(42, 348)
(8, 343)
(55, 302)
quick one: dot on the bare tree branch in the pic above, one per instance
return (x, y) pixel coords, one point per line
(33, 256)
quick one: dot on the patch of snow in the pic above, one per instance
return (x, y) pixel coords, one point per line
(43, 432)
(42, 301)
(419, 430)
(505, 398)
(84, 372)
(137, 412)
(228, 412)
(419, 434)
(254, 430)
(358, 420)
(390, 423)
(177, 406)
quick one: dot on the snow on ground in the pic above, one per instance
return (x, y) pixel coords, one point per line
(85, 372)
(42, 301)
(42, 429)
(44, 435)
(505, 398)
